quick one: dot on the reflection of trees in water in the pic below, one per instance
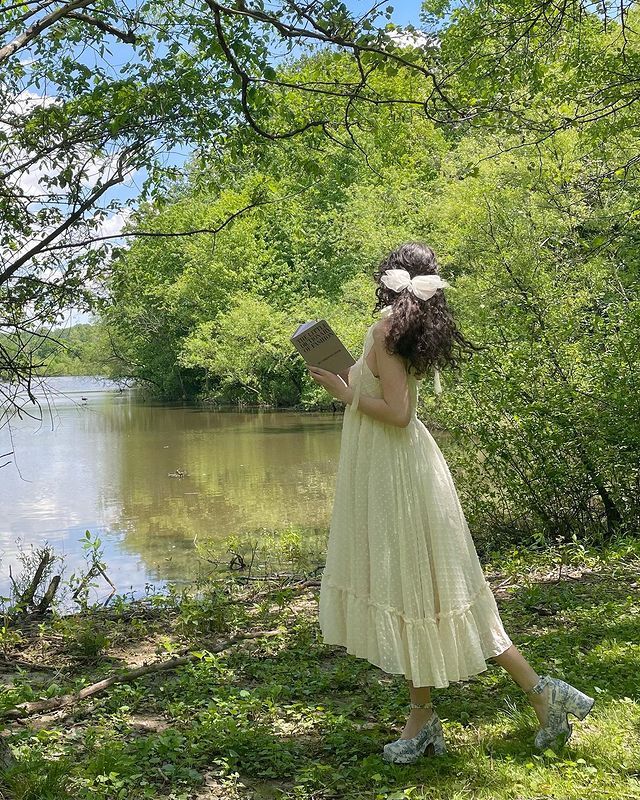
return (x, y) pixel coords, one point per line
(244, 471)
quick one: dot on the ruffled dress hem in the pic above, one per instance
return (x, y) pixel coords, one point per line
(453, 646)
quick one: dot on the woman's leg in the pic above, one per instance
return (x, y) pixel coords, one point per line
(525, 676)
(418, 716)
(515, 664)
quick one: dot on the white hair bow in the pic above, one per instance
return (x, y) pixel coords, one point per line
(437, 385)
(423, 286)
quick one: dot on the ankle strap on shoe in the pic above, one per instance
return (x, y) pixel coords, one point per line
(421, 705)
(538, 687)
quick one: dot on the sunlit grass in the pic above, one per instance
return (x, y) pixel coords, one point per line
(289, 717)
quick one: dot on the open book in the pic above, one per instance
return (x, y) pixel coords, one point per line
(319, 346)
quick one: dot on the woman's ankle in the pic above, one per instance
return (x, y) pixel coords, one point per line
(421, 713)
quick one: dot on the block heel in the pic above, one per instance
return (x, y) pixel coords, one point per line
(429, 740)
(579, 704)
(564, 699)
(439, 746)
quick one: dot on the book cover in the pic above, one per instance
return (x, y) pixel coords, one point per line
(318, 344)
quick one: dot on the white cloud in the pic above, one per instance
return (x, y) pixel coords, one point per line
(113, 225)
(413, 38)
(29, 181)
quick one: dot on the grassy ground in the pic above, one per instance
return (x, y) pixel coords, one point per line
(284, 716)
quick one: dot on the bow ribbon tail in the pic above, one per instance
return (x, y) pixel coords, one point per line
(437, 386)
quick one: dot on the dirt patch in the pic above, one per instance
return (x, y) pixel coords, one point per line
(138, 652)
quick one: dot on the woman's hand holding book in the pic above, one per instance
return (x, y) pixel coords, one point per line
(333, 383)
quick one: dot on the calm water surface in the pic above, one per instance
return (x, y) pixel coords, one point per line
(101, 460)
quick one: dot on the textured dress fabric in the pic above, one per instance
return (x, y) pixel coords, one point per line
(403, 586)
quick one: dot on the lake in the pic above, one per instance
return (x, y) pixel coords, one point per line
(151, 479)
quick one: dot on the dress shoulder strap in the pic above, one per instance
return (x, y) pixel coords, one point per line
(359, 366)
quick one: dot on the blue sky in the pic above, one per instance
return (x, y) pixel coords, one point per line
(405, 12)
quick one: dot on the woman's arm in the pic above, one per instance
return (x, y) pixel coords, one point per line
(394, 407)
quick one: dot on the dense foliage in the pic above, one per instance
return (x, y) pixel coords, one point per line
(538, 236)
(98, 94)
(509, 143)
(81, 349)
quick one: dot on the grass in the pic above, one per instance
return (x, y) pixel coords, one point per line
(288, 717)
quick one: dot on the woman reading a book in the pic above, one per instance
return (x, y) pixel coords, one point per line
(403, 586)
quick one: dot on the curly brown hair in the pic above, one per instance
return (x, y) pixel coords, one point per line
(423, 332)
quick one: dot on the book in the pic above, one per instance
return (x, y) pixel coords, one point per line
(318, 344)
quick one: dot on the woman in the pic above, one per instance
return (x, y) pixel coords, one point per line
(403, 586)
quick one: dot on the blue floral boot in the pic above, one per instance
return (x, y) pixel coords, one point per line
(564, 699)
(408, 751)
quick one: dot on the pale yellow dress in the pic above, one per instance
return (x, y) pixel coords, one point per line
(402, 585)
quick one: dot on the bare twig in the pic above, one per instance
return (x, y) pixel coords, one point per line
(38, 706)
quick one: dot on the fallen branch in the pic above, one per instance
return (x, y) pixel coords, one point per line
(305, 584)
(299, 587)
(90, 573)
(47, 599)
(106, 577)
(13, 664)
(279, 579)
(26, 599)
(37, 706)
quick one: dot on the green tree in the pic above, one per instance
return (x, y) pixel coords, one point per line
(190, 73)
(539, 240)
